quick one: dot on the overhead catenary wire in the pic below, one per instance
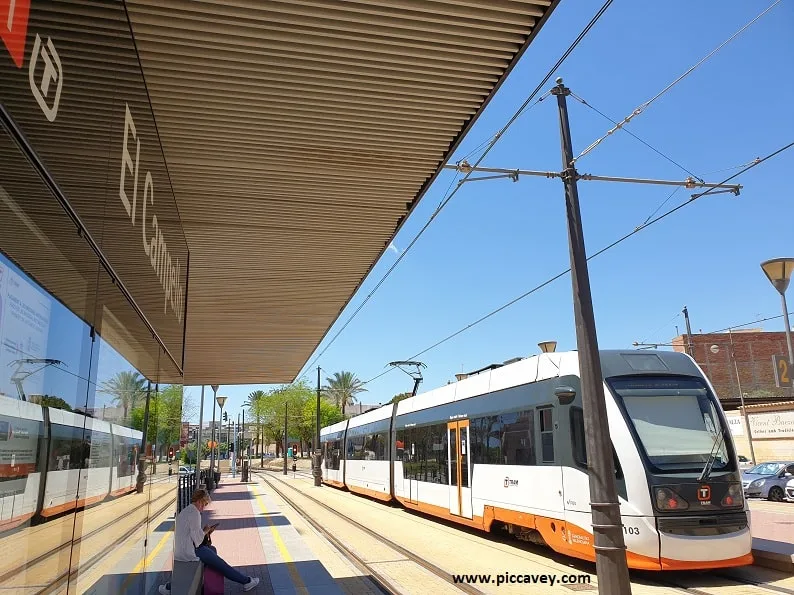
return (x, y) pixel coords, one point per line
(620, 240)
(733, 326)
(637, 111)
(653, 334)
(629, 132)
(524, 107)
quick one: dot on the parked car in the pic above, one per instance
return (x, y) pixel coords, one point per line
(768, 480)
(183, 470)
(745, 463)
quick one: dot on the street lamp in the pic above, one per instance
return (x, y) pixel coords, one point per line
(211, 480)
(778, 271)
(221, 402)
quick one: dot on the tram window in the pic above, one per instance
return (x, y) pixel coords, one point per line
(579, 446)
(486, 443)
(577, 437)
(100, 450)
(332, 454)
(518, 445)
(546, 435)
(375, 447)
(506, 439)
(66, 448)
(355, 448)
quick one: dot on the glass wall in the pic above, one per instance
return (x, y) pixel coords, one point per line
(93, 269)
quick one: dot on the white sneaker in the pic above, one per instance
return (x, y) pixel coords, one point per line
(164, 590)
(248, 586)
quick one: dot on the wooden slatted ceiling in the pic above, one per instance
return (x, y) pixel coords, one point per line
(297, 135)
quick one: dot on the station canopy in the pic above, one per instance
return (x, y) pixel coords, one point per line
(298, 136)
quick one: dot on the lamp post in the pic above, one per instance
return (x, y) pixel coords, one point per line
(211, 480)
(221, 403)
(778, 271)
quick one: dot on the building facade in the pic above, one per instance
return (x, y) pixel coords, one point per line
(737, 362)
(93, 284)
(771, 427)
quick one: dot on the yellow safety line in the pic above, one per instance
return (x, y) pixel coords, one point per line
(282, 548)
(148, 559)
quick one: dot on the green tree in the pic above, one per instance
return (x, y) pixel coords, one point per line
(48, 401)
(270, 409)
(342, 388)
(255, 406)
(127, 389)
(400, 397)
(329, 415)
(168, 418)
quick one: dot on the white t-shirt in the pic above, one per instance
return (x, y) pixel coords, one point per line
(188, 534)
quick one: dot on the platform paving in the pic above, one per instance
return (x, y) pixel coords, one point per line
(257, 534)
(772, 527)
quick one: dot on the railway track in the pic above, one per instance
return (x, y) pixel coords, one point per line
(382, 582)
(67, 575)
(714, 582)
(46, 560)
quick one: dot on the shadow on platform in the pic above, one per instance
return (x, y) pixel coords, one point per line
(274, 579)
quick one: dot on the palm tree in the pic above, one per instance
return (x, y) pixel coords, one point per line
(253, 404)
(343, 388)
(126, 388)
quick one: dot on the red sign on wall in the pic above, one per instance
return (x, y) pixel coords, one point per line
(14, 27)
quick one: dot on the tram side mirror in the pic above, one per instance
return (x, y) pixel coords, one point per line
(565, 394)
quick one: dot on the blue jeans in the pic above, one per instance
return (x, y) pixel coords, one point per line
(209, 556)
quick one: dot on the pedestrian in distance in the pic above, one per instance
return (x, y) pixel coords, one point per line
(193, 543)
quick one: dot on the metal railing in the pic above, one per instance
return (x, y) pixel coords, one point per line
(187, 485)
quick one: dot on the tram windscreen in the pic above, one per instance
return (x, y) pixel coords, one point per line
(675, 420)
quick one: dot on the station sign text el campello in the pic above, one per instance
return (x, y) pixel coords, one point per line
(168, 270)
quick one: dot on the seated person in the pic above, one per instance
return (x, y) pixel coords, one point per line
(191, 544)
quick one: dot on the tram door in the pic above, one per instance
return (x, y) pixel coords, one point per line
(459, 468)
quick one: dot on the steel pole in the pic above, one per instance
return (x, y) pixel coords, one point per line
(741, 397)
(610, 549)
(318, 453)
(141, 479)
(285, 439)
(199, 438)
(689, 349)
(788, 328)
(212, 439)
(220, 437)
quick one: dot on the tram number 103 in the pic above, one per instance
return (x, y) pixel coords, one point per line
(631, 530)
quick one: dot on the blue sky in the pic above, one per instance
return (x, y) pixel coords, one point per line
(496, 240)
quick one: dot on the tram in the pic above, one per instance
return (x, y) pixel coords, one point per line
(504, 449)
(53, 461)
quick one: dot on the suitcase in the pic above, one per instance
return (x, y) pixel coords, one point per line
(213, 582)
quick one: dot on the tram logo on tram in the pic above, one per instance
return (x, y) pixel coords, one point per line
(704, 495)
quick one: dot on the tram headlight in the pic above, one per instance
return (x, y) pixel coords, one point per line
(757, 483)
(667, 499)
(735, 495)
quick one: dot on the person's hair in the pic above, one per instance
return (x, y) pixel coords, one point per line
(200, 495)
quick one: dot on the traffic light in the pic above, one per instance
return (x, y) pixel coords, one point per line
(225, 416)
